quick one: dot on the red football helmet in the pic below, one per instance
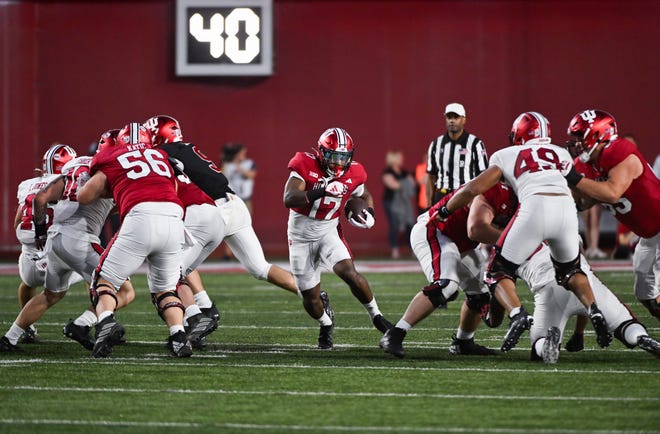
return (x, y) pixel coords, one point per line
(589, 128)
(56, 157)
(163, 129)
(335, 151)
(530, 126)
(107, 140)
(132, 134)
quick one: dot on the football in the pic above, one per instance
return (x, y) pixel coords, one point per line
(354, 206)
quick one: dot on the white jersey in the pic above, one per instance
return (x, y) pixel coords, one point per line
(73, 219)
(533, 168)
(26, 191)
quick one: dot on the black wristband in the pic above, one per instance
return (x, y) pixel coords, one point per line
(573, 177)
(40, 230)
(444, 212)
(312, 195)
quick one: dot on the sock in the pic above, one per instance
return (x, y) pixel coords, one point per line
(632, 332)
(104, 315)
(299, 293)
(515, 311)
(86, 319)
(14, 333)
(460, 334)
(176, 329)
(403, 324)
(325, 320)
(372, 308)
(202, 300)
(192, 310)
(538, 346)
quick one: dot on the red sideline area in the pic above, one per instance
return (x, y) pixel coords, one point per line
(367, 266)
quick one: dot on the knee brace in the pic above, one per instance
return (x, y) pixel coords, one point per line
(499, 268)
(98, 289)
(620, 332)
(156, 300)
(565, 270)
(476, 302)
(436, 292)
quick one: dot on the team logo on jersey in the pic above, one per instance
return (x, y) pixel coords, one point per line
(348, 181)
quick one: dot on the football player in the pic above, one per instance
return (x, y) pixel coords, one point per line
(318, 187)
(553, 305)
(612, 171)
(32, 261)
(142, 183)
(238, 232)
(533, 167)
(450, 260)
(71, 243)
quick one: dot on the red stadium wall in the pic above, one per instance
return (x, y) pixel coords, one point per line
(381, 69)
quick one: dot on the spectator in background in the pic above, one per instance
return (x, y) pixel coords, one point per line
(455, 157)
(397, 200)
(240, 171)
(591, 219)
(626, 240)
(421, 179)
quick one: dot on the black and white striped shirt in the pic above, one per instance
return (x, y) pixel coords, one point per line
(456, 162)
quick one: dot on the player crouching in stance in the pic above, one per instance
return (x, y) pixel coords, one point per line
(142, 184)
(449, 260)
(533, 167)
(318, 187)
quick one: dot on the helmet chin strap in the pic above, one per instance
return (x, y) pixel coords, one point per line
(586, 155)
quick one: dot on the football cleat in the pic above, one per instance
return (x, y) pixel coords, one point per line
(575, 343)
(199, 344)
(647, 343)
(108, 334)
(519, 323)
(392, 341)
(7, 347)
(469, 347)
(200, 326)
(603, 335)
(29, 336)
(326, 306)
(550, 351)
(381, 323)
(179, 345)
(211, 312)
(79, 334)
(325, 337)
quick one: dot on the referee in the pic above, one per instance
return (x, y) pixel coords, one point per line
(453, 158)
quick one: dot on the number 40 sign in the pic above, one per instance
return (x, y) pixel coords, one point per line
(224, 37)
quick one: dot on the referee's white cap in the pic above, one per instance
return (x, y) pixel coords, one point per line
(455, 108)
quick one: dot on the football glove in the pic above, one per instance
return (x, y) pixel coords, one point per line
(336, 189)
(365, 220)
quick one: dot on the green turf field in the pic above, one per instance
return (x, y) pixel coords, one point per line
(261, 372)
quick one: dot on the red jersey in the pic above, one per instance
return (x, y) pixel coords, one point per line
(455, 227)
(639, 206)
(327, 207)
(136, 174)
(190, 194)
(504, 202)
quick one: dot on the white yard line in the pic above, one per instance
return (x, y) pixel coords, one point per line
(312, 428)
(165, 361)
(326, 393)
